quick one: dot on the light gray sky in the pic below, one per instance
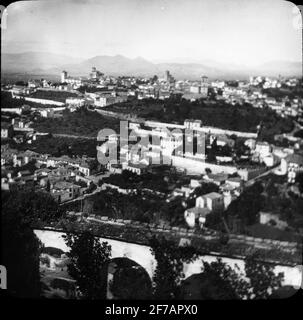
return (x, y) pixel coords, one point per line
(248, 32)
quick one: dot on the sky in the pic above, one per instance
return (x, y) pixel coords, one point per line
(243, 32)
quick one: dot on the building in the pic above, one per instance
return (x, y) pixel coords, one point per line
(63, 191)
(7, 130)
(204, 81)
(95, 74)
(63, 76)
(76, 102)
(192, 124)
(196, 215)
(212, 201)
(272, 219)
(138, 168)
(168, 77)
(263, 148)
(292, 165)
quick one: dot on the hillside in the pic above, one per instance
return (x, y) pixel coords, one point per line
(52, 64)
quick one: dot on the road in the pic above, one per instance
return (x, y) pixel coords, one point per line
(65, 135)
(252, 181)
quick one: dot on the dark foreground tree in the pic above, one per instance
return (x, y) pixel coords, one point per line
(130, 281)
(169, 271)
(263, 280)
(257, 282)
(218, 280)
(34, 206)
(19, 251)
(88, 264)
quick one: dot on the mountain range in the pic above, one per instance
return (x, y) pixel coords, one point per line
(52, 64)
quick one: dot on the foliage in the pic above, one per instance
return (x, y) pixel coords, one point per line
(206, 187)
(7, 101)
(262, 278)
(53, 95)
(59, 146)
(129, 180)
(257, 282)
(169, 271)
(34, 205)
(130, 281)
(282, 201)
(299, 180)
(80, 122)
(220, 114)
(247, 206)
(299, 134)
(20, 249)
(218, 280)
(87, 258)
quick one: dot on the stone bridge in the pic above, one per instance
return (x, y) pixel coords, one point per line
(142, 255)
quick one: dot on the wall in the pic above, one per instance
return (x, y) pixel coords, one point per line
(44, 101)
(198, 167)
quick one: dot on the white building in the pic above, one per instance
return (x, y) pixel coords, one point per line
(212, 201)
(196, 214)
(292, 165)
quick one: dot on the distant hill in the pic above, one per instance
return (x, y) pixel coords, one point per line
(284, 68)
(115, 65)
(47, 63)
(34, 62)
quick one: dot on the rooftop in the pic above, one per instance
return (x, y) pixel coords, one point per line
(295, 158)
(199, 212)
(212, 195)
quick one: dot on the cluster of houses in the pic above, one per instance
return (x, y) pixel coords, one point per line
(18, 129)
(63, 177)
(110, 90)
(164, 144)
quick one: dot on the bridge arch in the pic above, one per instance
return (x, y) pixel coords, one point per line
(128, 280)
(140, 254)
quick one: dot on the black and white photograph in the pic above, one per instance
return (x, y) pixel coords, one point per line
(151, 150)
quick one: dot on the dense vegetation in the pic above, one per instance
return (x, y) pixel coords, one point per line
(218, 281)
(133, 206)
(280, 93)
(130, 281)
(88, 264)
(217, 113)
(273, 195)
(81, 122)
(59, 146)
(160, 182)
(60, 96)
(8, 102)
(20, 247)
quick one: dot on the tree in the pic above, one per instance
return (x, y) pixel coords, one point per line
(169, 271)
(216, 282)
(19, 250)
(130, 281)
(35, 206)
(257, 282)
(262, 278)
(48, 186)
(205, 188)
(248, 205)
(88, 264)
(299, 180)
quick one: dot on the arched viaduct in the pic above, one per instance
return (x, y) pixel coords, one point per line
(142, 255)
